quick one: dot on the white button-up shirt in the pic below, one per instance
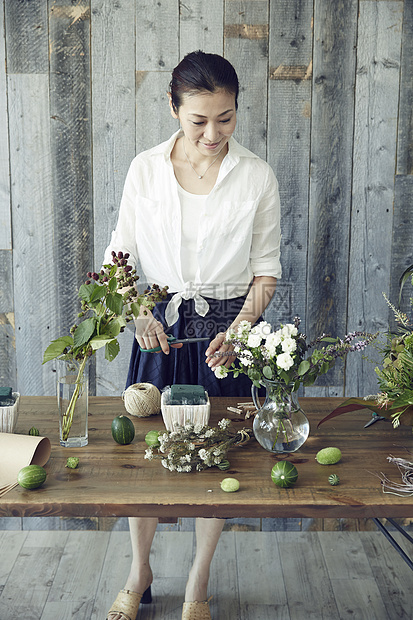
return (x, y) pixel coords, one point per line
(239, 227)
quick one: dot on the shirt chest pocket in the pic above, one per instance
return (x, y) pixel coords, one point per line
(236, 220)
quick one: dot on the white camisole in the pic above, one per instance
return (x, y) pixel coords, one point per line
(192, 205)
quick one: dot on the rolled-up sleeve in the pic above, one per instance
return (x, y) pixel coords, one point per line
(266, 237)
(124, 236)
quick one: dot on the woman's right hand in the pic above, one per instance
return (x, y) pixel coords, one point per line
(150, 334)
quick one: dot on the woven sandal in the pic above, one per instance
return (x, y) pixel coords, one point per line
(196, 610)
(127, 603)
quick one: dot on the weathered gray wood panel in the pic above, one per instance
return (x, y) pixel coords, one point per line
(405, 126)
(113, 138)
(201, 26)
(7, 338)
(27, 36)
(335, 28)
(7, 335)
(402, 246)
(246, 46)
(289, 122)
(35, 299)
(5, 221)
(154, 122)
(375, 132)
(70, 112)
(157, 35)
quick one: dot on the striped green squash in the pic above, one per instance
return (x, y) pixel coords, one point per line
(284, 474)
(123, 430)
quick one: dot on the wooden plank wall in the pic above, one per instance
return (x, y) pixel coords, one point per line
(326, 92)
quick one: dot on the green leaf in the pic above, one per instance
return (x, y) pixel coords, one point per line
(406, 359)
(98, 293)
(84, 332)
(112, 285)
(303, 367)
(56, 348)
(267, 372)
(328, 339)
(86, 290)
(100, 341)
(284, 376)
(113, 328)
(114, 302)
(309, 380)
(325, 367)
(135, 307)
(112, 348)
(404, 399)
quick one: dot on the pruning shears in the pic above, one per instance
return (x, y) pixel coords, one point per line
(174, 340)
(375, 418)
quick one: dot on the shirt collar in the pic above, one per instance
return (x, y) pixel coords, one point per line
(235, 149)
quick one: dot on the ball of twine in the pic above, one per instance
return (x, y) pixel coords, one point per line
(142, 400)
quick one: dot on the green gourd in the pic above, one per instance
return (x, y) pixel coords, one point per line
(31, 476)
(284, 474)
(123, 430)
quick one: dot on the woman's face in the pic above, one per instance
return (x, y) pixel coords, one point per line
(208, 121)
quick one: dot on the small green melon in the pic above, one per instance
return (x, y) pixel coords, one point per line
(31, 476)
(123, 430)
(224, 465)
(230, 485)
(152, 439)
(284, 474)
(328, 456)
(334, 480)
(34, 431)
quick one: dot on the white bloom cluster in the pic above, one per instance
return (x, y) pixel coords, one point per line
(224, 423)
(195, 446)
(221, 372)
(259, 342)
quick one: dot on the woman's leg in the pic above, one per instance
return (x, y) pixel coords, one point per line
(208, 532)
(142, 531)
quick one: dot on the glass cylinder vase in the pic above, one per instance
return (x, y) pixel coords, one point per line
(280, 425)
(72, 400)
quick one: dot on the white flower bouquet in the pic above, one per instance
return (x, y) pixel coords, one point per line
(280, 356)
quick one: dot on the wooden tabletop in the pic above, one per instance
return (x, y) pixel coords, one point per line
(114, 480)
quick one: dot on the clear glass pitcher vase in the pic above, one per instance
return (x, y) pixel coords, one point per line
(280, 425)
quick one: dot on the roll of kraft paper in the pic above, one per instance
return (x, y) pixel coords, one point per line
(17, 451)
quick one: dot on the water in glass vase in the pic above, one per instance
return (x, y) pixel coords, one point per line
(72, 398)
(280, 425)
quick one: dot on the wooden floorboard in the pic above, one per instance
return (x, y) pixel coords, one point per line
(61, 575)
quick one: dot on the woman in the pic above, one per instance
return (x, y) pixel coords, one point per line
(202, 215)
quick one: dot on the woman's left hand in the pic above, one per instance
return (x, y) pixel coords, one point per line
(217, 346)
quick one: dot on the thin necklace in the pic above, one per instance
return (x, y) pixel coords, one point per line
(200, 176)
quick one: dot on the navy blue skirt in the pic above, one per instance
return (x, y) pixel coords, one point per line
(187, 364)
